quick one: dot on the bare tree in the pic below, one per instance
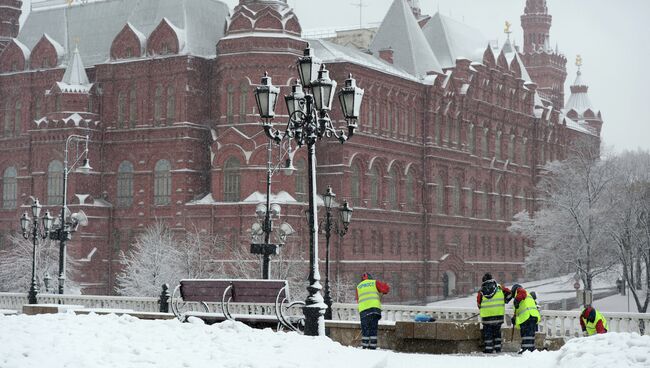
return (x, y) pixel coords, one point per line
(199, 252)
(570, 227)
(16, 265)
(153, 260)
(629, 227)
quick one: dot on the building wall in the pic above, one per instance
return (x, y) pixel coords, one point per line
(440, 169)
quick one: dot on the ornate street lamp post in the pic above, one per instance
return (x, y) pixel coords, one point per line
(32, 225)
(268, 212)
(309, 122)
(68, 226)
(345, 214)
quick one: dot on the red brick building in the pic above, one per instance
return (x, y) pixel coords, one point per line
(453, 133)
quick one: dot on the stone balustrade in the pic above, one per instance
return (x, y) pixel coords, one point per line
(553, 324)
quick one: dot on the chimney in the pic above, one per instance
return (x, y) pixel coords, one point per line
(386, 55)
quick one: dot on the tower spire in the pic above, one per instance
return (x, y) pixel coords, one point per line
(10, 11)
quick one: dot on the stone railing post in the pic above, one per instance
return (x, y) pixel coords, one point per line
(165, 297)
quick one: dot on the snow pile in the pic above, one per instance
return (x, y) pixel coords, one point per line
(608, 350)
(71, 341)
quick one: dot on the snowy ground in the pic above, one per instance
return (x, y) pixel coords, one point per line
(548, 290)
(67, 340)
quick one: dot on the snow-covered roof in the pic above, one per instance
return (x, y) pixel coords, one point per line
(96, 23)
(329, 52)
(450, 39)
(575, 125)
(400, 31)
(579, 100)
(511, 54)
(75, 73)
(24, 49)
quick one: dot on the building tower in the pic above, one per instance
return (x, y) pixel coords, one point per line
(546, 66)
(579, 106)
(10, 11)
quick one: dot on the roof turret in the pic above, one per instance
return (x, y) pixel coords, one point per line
(400, 31)
(579, 100)
(75, 78)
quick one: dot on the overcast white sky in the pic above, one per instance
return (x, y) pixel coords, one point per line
(613, 38)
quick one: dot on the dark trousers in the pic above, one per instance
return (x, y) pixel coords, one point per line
(492, 338)
(527, 331)
(369, 322)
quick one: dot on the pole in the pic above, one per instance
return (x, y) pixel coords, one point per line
(33, 289)
(63, 236)
(328, 295)
(314, 309)
(266, 263)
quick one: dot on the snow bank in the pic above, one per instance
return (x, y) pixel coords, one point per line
(71, 341)
(608, 350)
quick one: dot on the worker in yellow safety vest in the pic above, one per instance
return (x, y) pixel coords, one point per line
(369, 293)
(592, 322)
(526, 316)
(492, 307)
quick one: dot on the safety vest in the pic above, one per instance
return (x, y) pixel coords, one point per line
(495, 306)
(591, 326)
(527, 308)
(368, 295)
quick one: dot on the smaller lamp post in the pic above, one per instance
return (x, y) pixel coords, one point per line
(262, 245)
(28, 225)
(345, 215)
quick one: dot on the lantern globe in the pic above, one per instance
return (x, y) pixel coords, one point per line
(323, 90)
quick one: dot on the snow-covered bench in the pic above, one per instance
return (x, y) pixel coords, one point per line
(226, 291)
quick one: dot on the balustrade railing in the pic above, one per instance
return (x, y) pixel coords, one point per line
(553, 324)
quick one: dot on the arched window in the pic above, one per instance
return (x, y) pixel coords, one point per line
(472, 139)
(510, 205)
(125, 184)
(57, 103)
(18, 118)
(9, 188)
(448, 130)
(497, 146)
(231, 191)
(410, 191)
(37, 108)
(243, 99)
(157, 104)
(484, 143)
(511, 149)
(485, 202)
(162, 186)
(374, 187)
(440, 196)
(392, 189)
(133, 107)
(121, 110)
(542, 154)
(301, 180)
(8, 120)
(55, 183)
(171, 105)
(230, 104)
(437, 129)
(456, 206)
(469, 202)
(524, 152)
(498, 205)
(355, 186)
(370, 115)
(458, 126)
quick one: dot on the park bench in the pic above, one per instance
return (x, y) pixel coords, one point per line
(222, 292)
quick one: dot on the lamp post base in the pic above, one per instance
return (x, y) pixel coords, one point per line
(315, 318)
(33, 291)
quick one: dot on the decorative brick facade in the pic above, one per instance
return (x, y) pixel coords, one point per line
(436, 172)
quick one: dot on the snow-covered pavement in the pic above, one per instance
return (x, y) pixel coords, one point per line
(92, 341)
